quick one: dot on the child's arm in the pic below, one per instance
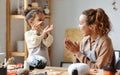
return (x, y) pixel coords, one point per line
(32, 39)
(48, 38)
(48, 41)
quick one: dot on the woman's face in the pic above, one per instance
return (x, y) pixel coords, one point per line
(83, 25)
(37, 22)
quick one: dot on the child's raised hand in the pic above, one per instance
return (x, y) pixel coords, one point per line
(48, 29)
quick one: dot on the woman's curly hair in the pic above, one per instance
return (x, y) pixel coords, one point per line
(100, 19)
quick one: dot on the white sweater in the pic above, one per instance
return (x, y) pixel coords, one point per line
(34, 44)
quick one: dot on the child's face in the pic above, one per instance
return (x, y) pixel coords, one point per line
(37, 22)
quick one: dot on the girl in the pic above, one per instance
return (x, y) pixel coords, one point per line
(38, 38)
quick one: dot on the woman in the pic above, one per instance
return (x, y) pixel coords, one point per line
(96, 48)
(38, 38)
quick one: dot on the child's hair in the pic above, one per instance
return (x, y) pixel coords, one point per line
(29, 13)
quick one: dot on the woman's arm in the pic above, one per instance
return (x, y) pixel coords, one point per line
(103, 59)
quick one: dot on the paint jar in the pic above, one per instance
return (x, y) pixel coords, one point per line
(20, 46)
(109, 70)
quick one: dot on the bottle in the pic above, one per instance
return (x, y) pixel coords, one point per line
(46, 10)
(26, 65)
(34, 3)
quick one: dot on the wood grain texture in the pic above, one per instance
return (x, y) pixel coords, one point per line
(75, 35)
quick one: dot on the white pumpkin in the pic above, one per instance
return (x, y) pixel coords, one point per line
(37, 61)
(81, 68)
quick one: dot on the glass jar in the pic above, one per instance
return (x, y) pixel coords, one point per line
(46, 10)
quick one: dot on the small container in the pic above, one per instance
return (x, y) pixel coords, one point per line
(3, 71)
(109, 71)
(46, 10)
(26, 65)
(20, 46)
(2, 58)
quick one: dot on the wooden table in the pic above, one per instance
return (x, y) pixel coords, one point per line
(51, 71)
(62, 71)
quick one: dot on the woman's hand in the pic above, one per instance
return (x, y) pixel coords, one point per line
(73, 47)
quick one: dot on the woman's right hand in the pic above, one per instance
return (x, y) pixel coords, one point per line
(72, 46)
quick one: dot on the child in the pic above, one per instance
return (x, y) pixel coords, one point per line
(38, 38)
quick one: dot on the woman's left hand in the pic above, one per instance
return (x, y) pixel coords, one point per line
(73, 47)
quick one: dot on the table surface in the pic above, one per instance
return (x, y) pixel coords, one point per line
(50, 70)
(63, 71)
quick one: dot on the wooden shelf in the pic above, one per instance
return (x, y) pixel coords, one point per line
(22, 17)
(36, 7)
(17, 16)
(17, 53)
(9, 19)
(47, 16)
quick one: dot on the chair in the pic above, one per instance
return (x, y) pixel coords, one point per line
(118, 60)
(118, 64)
(117, 54)
(74, 35)
(65, 64)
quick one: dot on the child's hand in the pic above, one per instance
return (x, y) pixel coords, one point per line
(48, 29)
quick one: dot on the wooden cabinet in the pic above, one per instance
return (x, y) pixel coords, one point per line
(13, 34)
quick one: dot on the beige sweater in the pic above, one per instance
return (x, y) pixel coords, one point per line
(103, 53)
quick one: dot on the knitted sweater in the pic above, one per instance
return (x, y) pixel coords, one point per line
(37, 45)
